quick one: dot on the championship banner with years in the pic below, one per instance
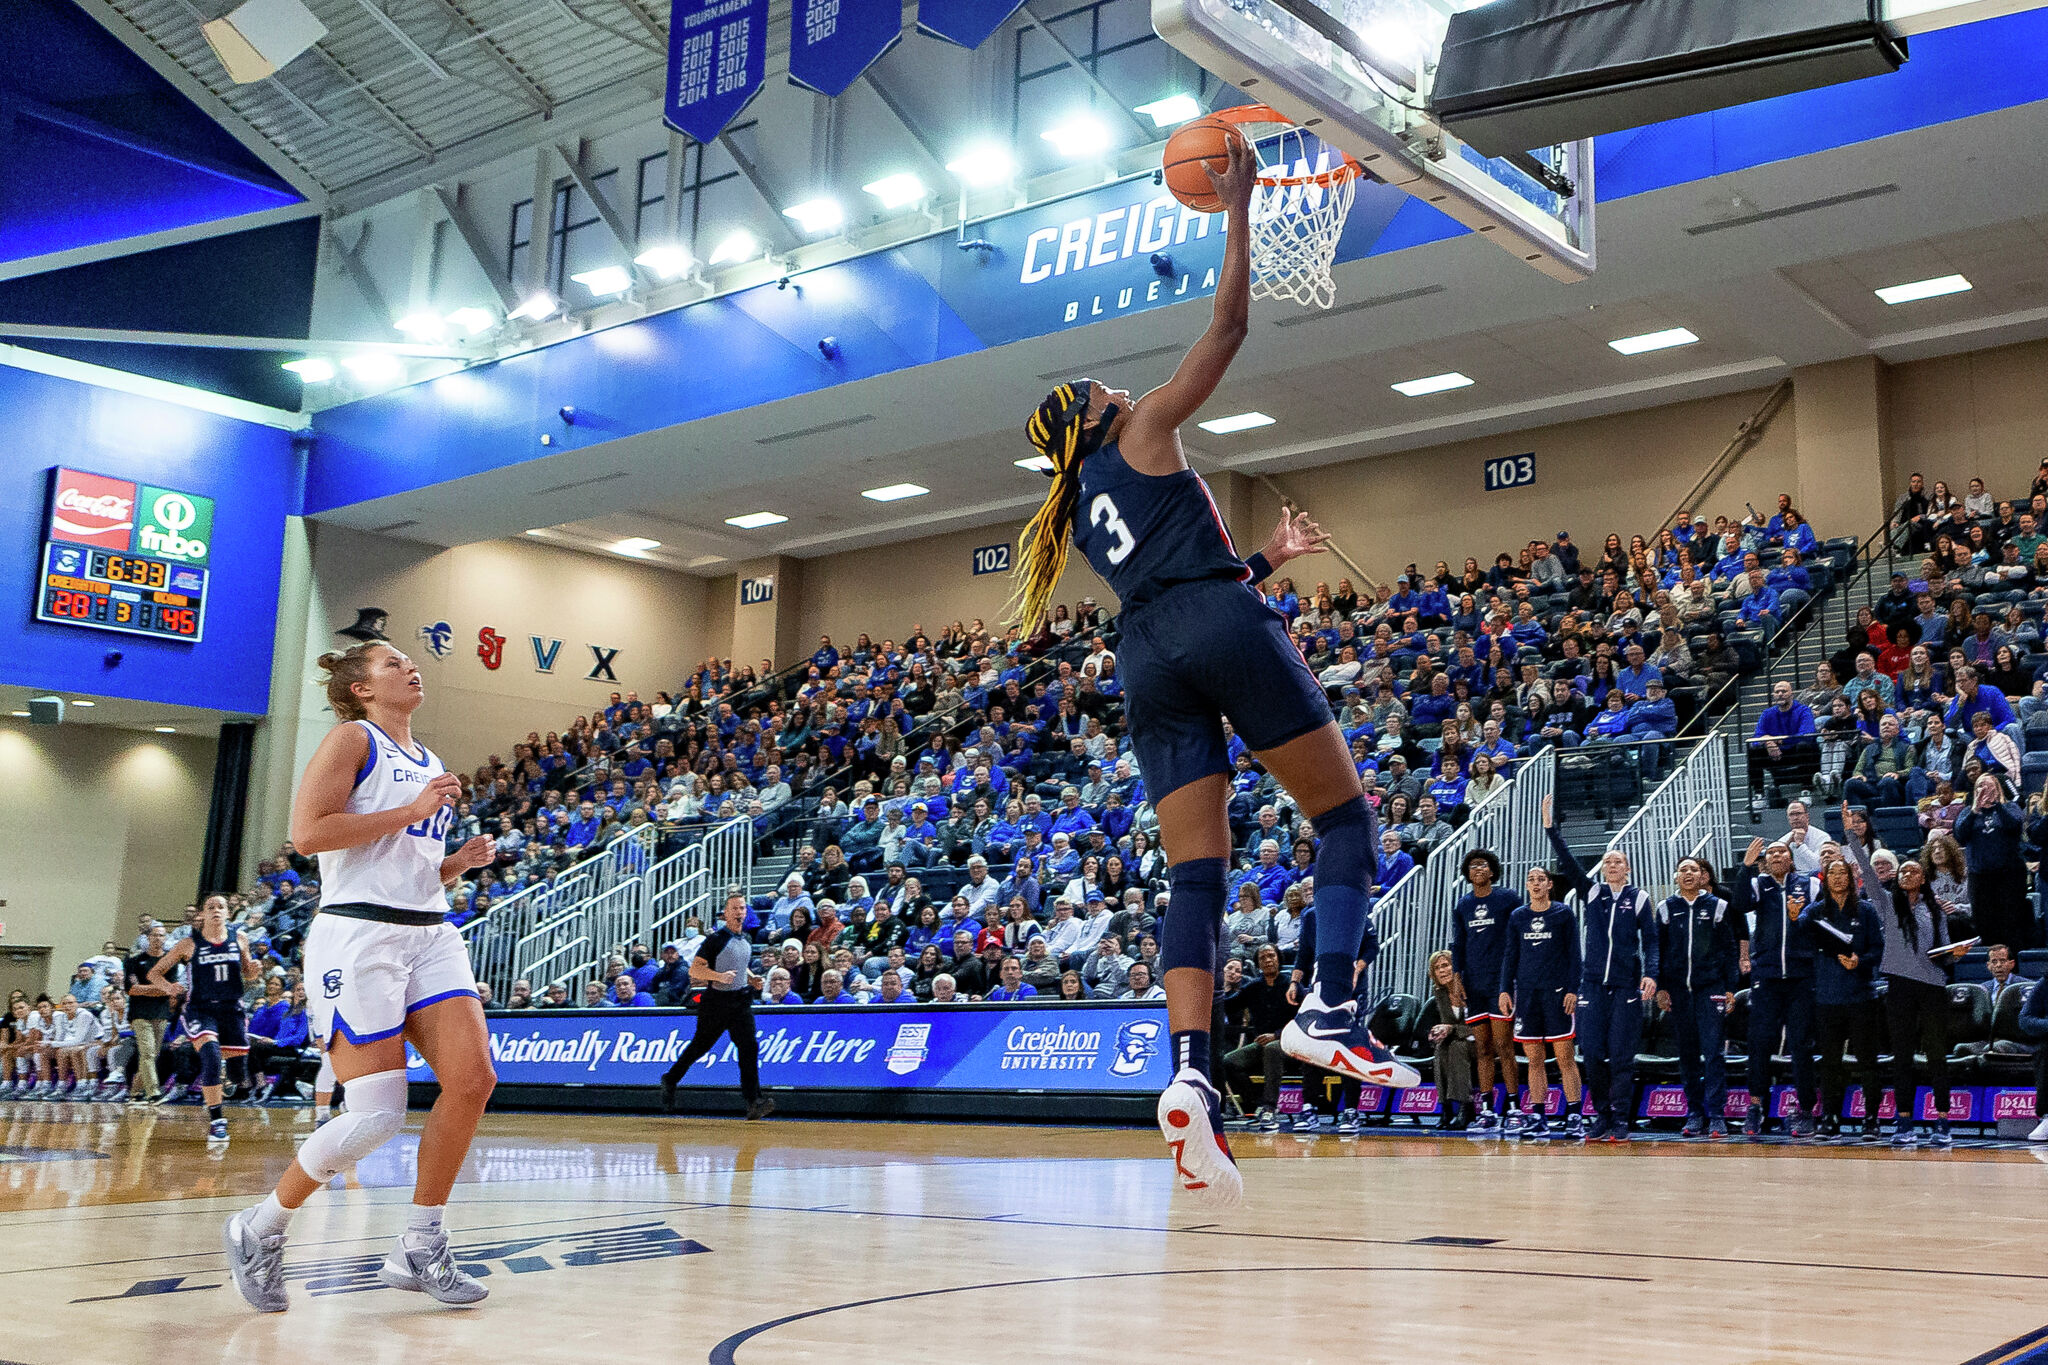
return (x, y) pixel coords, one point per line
(831, 42)
(717, 62)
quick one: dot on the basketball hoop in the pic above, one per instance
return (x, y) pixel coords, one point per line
(1298, 210)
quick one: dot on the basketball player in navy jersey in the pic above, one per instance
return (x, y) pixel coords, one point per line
(383, 969)
(1199, 647)
(214, 1022)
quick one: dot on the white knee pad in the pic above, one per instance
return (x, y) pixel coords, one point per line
(375, 1115)
(323, 1084)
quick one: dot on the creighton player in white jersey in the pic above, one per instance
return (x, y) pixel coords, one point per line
(383, 969)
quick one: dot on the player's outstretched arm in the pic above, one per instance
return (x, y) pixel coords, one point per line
(321, 822)
(1160, 413)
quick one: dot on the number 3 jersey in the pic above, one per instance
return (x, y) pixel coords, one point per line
(400, 871)
(1145, 533)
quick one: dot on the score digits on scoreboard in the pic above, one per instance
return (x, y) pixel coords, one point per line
(125, 556)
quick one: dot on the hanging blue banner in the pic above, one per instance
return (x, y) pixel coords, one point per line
(966, 22)
(832, 41)
(717, 61)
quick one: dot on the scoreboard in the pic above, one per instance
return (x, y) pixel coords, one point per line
(125, 556)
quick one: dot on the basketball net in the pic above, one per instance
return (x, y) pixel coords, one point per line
(1297, 215)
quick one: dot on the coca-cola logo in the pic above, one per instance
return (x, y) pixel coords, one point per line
(106, 506)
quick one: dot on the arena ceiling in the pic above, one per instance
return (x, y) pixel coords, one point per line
(1771, 267)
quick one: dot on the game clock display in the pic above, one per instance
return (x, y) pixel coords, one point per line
(125, 557)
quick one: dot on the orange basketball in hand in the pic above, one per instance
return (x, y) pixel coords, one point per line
(1191, 153)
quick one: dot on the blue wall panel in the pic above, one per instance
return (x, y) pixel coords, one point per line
(247, 470)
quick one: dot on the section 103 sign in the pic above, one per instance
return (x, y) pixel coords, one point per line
(124, 556)
(1510, 471)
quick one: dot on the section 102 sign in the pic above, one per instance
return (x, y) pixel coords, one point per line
(124, 556)
(992, 558)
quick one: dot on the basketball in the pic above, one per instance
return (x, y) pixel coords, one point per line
(1190, 153)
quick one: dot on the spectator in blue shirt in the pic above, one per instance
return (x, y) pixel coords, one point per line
(1394, 864)
(1014, 986)
(584, 827)
(1633, 680)
(1074, 820)
(1973, 696)
(1783, 745)
(625, 994)
(1761, 607)
(1654, 717)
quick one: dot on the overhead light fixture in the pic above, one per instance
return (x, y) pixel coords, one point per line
(896, 492)
(633, 545)
(373, 367)
(312, 369)
(258, 37)
(81, 701)
(1177, 108)
(984, 164)
(606, 280)
(754, 521)
(1078, 137)
(736, 248)
(1436, 383)
(1243, 421)
(535, 307)
(425, 325)
(167, 729)
(1925, 289)
(816, 216)
(536, 531)
(1654, 341)
(473, 319)
(1037, 464)
(897, 191)
(19, 715)
(667, 260)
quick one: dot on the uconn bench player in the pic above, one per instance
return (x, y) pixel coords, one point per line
(383, 969)
(1198, 647)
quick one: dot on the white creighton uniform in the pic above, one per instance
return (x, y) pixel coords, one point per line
(380, 947)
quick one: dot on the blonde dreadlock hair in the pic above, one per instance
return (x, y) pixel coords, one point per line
(1059, 431)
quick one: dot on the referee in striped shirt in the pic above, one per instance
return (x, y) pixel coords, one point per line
(726, 1007)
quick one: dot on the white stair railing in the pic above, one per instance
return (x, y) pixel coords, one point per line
(1414, 918)
(1687, 816)
(563, 929)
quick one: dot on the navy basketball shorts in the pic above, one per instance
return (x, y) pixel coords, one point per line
(228, 1027)
(1198, 654)
(1540, 1016)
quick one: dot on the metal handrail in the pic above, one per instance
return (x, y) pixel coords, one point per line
(1413, 917)
(1697, 792)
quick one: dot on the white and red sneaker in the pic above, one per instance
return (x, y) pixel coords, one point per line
(1191, 1120)
(1336, 1039)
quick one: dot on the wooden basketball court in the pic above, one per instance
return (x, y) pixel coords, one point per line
(644, 1239)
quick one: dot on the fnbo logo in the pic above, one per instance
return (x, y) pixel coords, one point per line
(174, 525)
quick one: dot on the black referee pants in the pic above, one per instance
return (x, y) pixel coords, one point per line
(731, 1014)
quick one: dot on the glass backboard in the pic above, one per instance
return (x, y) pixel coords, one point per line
(1358, 73)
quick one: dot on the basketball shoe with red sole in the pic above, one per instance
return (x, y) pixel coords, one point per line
(1336, 1039)
(1191, 1121)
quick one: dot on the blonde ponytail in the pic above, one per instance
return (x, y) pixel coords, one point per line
(1057, 430)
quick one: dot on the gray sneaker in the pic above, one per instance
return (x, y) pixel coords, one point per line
(431, 1270)
(257, 1263)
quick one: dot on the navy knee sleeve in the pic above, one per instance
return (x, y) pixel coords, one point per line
(1344, 865)
(1188, 936)
(209, 1062)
